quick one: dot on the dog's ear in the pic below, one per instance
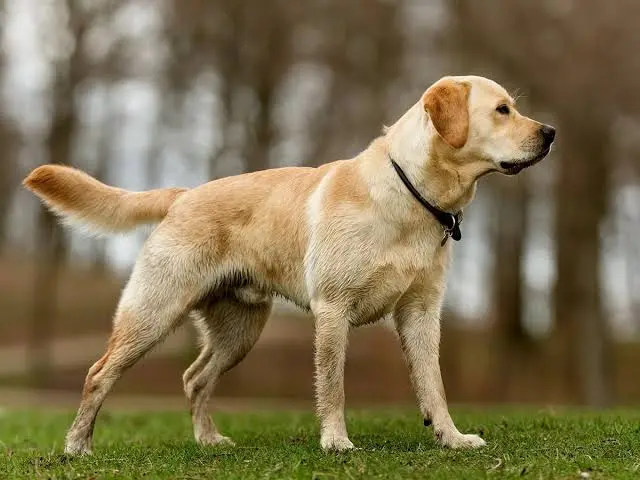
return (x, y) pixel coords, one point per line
(446, 102)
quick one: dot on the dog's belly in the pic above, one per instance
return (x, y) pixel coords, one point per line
(287, 282)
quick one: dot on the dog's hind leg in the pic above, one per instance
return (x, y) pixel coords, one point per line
(156, 299)
(228, 328)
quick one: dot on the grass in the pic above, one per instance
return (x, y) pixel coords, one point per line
(394, 444)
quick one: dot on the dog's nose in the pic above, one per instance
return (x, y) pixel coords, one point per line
(548, 134)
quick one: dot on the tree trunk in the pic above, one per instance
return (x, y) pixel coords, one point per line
(51, 242)
(52, 246)
(580, 321)
(9, 143)
(102, 168)
(51, 251)
(512, 341)
(257, 156)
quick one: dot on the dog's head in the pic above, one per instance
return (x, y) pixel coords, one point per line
(476, 124)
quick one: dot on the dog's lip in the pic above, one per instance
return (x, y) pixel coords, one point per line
(516, 167)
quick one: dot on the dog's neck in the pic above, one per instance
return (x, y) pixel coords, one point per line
(412, 143)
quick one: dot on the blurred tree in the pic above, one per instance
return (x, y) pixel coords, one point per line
(555, 50)
(252, 46)
(101, 173)
(361, 43)
(248, 44)
(51, 241)
(9, 146)
(513, 343)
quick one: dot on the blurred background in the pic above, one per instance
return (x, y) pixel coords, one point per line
(543, 304)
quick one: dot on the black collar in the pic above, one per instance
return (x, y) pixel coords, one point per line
(450, 222)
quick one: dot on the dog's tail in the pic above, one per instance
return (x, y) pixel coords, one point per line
(81, 199)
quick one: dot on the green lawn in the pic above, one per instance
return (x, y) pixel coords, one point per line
(394, 444)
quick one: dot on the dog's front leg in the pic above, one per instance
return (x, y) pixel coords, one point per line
(332, 330)
(418, 324)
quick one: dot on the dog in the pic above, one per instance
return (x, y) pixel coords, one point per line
(352, 241)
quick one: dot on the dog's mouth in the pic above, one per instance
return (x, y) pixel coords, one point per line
(513, 168)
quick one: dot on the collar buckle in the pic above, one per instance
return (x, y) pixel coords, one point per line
(449, 229)
(453, 223)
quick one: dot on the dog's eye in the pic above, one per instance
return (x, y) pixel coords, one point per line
(502, 109)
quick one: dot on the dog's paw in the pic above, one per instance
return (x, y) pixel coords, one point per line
(335, 443)
(77, 447)
(215, 440)
(460, 440)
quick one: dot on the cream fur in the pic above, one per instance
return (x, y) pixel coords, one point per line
(346, 240)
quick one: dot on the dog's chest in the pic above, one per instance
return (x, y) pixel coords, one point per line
(413, 250)
(370, 272)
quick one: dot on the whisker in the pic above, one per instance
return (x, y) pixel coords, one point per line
(517, 94)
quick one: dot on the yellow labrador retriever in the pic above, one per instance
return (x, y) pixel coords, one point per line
(353, 241)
